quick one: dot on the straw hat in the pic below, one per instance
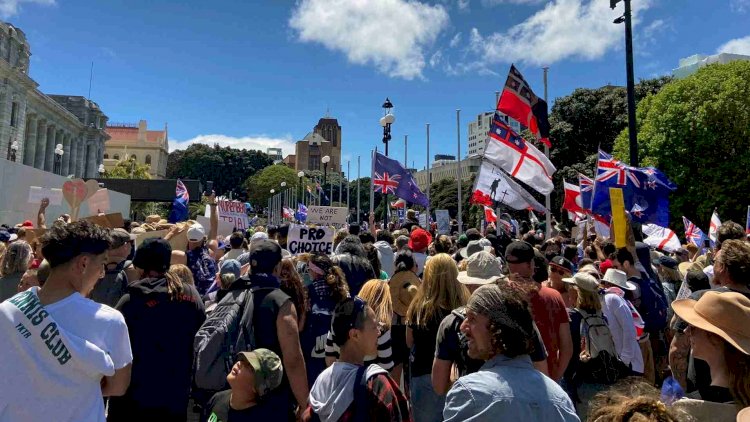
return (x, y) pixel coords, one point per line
(482, 268)
(683, 268)
(403, 286)
(584, 281)
(619, 279)
(721, 314)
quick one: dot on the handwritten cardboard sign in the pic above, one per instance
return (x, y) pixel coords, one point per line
(111, 221)
(326, 215)
(305, 239)
(99, 201)
(443, 221)
(36, 194)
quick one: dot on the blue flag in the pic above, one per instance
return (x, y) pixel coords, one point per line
(301, 213)
(645, 190)
(390, 177)
(179, 210)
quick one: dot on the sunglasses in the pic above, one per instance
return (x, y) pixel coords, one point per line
(558, 271)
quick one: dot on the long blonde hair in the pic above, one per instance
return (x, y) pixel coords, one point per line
(377, 294)
(440, 289)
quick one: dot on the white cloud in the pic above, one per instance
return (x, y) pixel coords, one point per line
(491, 3)
(254, 142)
(436, 58)
(563, 29)
(10, 8)
(740, 6)
(463, 4)
(392, 35)
(736, 46)
(455, 40)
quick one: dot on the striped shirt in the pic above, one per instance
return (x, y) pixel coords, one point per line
(384, 357)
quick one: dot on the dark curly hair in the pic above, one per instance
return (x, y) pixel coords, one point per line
(333, 276)
(62, 243)
(511, 324)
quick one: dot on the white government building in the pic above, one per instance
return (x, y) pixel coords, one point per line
(33, 124)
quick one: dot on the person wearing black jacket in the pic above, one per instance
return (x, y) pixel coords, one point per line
(162, 315)
(352, 259)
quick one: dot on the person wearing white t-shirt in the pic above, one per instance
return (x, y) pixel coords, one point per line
(61, 353)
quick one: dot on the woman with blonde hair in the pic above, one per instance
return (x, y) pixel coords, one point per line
(14, 264)
(183, 273)
(438, 295)
(377, 294)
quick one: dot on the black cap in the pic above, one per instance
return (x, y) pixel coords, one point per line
(473, 234)
(519, 252)
(153, 254)
(667, 261)
(562, 262)
(265, 255)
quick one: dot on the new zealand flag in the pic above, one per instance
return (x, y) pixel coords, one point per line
(645, 190)
(392, 178)
(179, 210)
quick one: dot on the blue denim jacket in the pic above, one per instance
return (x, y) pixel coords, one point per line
(508, 389)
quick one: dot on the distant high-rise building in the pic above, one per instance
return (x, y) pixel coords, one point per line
(479, 128)
(690, 65)
(275, 154)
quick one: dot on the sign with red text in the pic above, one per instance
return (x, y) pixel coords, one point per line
(232, 212)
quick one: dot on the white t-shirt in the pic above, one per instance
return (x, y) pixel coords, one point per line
(52, 358)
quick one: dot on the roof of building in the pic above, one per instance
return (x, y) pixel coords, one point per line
(128, 133)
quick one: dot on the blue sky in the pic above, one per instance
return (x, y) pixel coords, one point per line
(259, 74)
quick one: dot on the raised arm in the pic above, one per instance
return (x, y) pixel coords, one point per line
(293, 360)
(213, 229)
(41, 219)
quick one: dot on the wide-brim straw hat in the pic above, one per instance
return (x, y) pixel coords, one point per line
(619, 279)
(403, 286)
(720, 313)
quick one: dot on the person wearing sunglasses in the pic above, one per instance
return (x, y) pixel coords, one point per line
(349, 390)
(560, 268)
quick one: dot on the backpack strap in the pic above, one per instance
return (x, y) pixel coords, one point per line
(360, 396)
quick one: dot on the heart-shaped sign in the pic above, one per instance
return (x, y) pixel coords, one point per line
(74, 192)
(91, 187)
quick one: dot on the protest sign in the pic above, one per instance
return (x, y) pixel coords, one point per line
(99, 201)
(443, 221)
(111, 221)
(36, 194)
(224, 229)
(619, 221)
(140, 237)
(232, 212)
(326, 215)
(304, 239)
(422, 218)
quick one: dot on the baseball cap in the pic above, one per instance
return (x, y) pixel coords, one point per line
(258, 236)
(196, 232)
(519, 252)
(667, 261)
(482, 268)
(28, 224)
(583, 281)
(231, 266)
(120, 237)
(4, 235)
(153, 254)
(267, 367)
(563, 263)
(264, 256)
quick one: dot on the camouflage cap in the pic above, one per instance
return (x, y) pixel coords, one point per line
(267, 367)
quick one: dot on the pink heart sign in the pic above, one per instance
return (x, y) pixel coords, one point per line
(74, 192)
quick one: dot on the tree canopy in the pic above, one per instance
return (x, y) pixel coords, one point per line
(128, 169)
(697, 131)
(258, 187)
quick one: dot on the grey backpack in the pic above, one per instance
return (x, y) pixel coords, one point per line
(225, 332)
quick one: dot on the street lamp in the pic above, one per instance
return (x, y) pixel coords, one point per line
(283, 196)
(325, 161)
(58, 158)
(101, 170)
(301, 174)
(386, 121)
(13, 151)
(271, 206)
(632, 129)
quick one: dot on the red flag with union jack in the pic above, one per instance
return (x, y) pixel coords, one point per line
(519, 102)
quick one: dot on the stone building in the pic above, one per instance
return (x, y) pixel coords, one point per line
(325, 139)
(445, 169)
(32, 124)
(136, 142)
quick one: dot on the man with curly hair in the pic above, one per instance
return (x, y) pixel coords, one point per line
(62, 352)
(499, 329)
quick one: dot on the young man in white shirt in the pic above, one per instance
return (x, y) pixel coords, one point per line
(60, 351)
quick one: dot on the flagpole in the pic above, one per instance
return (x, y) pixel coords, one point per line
(428, 173)
(340, 179)
(406, 138)
(359, 212)
(458, 145)
(372, 191)
(547, 200)
(348, 180)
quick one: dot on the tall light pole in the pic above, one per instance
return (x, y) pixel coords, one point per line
(301, 174)
(326, 159)
(58, 158)
(271, 213)
(632, 129)
(386, 121)
(283, 198)
(13, 151)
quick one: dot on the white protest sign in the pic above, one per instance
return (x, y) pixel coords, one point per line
(326, 215)
(422, 218)
(443, 221)
(99, 201)
(233, 212)
(224, 229)
(36, 194)
(304, 239)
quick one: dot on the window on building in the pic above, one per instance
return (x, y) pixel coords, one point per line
(106, 156)
(117, 156)
(148, 159)
(14, 114)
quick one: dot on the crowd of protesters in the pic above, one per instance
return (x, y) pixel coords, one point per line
(397, 324)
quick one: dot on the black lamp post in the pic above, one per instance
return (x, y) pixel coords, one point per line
(325, 161)
(301, 174)
(13, 151)
(632, 129)
(58, 158)
(386, 121)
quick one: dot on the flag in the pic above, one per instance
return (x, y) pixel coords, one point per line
(252, 221)
(747, 221)
(321, 191)
(572, 201)
(390, 177)
(601, 226)
(661, 238)
(510, 152)
(519, 102)
(287, 212)
(713, 228)
(645, 190)
(489, 215)
(398, 204)
(693, 233)
(179, 210)
(301, 213)
(586, 185)
(532, 218)
(492, 183)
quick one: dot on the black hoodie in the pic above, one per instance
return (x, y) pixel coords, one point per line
(161, 331)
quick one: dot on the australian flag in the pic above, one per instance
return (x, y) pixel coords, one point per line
(389, 177)
(179, 210)
(301, 213)
(645, 190)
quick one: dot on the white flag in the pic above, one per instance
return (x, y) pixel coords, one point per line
(661, 238)
(500, 187)
(520, 159)
(713, 229)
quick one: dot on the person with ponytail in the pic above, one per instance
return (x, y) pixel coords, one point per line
(163, 314)
(327, 289)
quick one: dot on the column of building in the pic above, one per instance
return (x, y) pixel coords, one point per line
(91, 159)
(80, 146)
(29, 148)
(67, 155)
(49, 153)
(41, 144)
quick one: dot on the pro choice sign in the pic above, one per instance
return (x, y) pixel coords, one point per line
(303, 239)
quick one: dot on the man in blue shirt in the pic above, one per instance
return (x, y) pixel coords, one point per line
(499, 329)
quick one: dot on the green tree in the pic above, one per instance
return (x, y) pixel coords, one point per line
(128, 169)
(258, 186)
(227, 167)
(697, 131)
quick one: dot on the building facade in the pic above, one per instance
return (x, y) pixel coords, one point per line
(136, 142)
(479, 128)
(325, 139)
(690, 65)
(33, 124)
(448, 169)
(275, 154)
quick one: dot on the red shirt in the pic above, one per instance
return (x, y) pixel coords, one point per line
(549, 312)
